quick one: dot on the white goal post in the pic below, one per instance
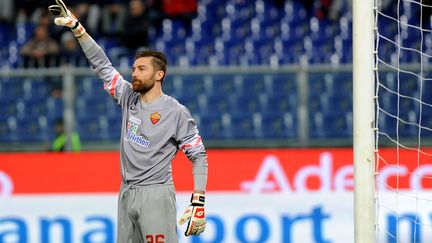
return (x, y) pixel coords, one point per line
(392, 115)
(363, 119)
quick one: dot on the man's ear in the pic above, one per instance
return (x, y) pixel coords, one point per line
(159, 75)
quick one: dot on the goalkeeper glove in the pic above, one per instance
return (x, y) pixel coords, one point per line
(195, 214)
(64, 17)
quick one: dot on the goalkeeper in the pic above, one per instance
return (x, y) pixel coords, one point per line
(154, 127)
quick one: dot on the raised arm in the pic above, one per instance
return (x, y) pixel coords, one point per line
(114, 83)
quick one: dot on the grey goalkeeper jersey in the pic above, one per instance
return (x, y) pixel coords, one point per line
(151, 134)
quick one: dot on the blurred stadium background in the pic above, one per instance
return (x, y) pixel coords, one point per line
(253, 73)
(268, 82)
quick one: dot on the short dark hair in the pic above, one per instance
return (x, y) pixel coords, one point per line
(159, 60)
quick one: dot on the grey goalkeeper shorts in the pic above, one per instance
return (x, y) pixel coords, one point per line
(147, 214)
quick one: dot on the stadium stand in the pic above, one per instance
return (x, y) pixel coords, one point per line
(242, 106)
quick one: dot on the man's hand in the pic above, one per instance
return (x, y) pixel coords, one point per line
(64, 17)
(195, 214)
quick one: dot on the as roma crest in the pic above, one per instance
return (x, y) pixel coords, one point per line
(155, 117)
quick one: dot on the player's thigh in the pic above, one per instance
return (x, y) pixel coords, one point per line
(128, 230)
(158, 214)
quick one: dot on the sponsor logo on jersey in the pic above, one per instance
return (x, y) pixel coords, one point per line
(137, 139)
(155, 117)
(132, 130)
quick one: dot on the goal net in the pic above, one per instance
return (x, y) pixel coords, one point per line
(403, 120)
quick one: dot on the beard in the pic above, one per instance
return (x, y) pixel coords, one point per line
(141, 86)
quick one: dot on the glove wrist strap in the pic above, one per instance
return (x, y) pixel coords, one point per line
(198, 199)
(78, 30)
(76, 25)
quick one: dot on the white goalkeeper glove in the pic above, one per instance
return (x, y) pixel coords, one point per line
(195, 214)
(64, 17)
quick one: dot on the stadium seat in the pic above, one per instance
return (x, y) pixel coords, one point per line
(216, 103)
(6, 134)
(341, 83)
(212, 126)
(393, 127)
(225, 84)
(280, 103)
(315, 103)
(318, 84)
(338, 103)
(250, 103)
(193, 84)
(168, 85)
(54, 108)
(37, 88)
(242, 126)
(34, 106)
(330, 125)
(284, 84)
(8, 107)
(192, 102)
(92, 127)
(31, 129)
(113, 128)
(276, 125)
(253, 84)
(316, 125)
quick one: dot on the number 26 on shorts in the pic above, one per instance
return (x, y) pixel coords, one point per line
(159, 238)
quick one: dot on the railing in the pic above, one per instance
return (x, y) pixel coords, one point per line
(71, 76)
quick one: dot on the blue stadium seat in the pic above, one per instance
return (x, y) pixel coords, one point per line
(393, 127)
(30, 129)
(35, 106)
(90, 87)
(8, 107)
(173, 50)
(24, 31)
(404, 106)
(330, 125)
(191, 102)
(317, 84)
(6, 135)
(36, 88)
(242, 126)
(217, 103)
(12, 88)
(193, 85)
(204, 46)
(114, 127)
(94, 105)
(408, 84)
(341, 83)
(295, 12)
(315, 103)
(211, 126)
(233, 50)
(5, 35)
(92, 127)
(278, 125)
(168, 85)
(284, 84)
(54, 108)
(280, 103)
(250, 103)
(225, 84)
(338, 103)
(253, 84)
(292, 49)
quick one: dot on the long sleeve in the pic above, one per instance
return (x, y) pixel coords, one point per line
(114, 83)
(191, 143)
